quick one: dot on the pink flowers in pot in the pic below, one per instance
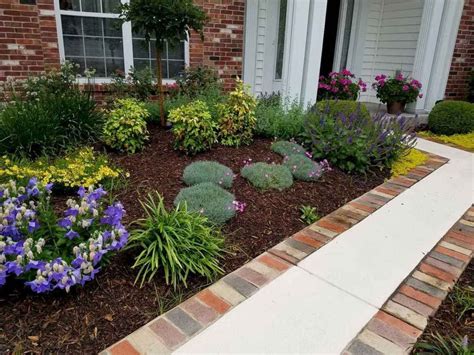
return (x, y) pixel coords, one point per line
(399, 88)
(340, 86)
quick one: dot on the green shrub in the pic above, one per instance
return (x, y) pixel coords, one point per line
(445, 345)
(265, 176)
(470, 96)
(138, 84)
(302, 167)
(193, 127)
(357, 143)
(209, 199)
(285, 148)
(178, 242)
(236, 117)
(309, 215)
(345, 107)
(208, 171)
(196, 81)
(278, 120)
(451, 117)
(125, 126)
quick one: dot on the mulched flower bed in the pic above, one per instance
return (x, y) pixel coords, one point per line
(89, 319)
(445, 321)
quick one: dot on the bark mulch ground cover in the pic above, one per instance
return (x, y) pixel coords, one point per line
(446, 321)
(89, 319)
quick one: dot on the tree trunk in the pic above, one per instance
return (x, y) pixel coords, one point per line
(159, 80)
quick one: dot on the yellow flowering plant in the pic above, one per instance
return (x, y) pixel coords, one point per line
(82, 167)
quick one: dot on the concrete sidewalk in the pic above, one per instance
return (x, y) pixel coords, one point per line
(320, 305)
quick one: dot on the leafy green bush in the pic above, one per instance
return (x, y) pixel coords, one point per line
(209, 199)
(212, 97)
(208, 171)
(265, 176)
(236, 117)
(452, 117)
(302, 167)
(125, 126)
(285, 148)
(196, 81)
(138, 84)
(345, 107)
(178, 242)
(193, 127)
(355, 143)
(279, 120)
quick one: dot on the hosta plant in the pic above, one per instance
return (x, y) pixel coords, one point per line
(125, 126)
(50, 252)
(178, 242)
(208, 171)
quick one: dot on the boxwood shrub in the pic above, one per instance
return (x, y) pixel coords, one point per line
(208, 171)
(452, 117)
(265, 176)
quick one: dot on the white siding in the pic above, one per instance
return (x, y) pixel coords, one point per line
(391, 39)
(259, 61)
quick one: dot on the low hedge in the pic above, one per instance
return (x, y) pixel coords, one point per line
(452, 117)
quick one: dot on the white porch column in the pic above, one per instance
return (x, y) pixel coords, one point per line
(426, 48)
(303, 46)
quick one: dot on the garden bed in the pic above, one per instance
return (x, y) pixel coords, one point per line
(91, 318)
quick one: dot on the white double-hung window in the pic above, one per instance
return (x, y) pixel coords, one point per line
(91, 35)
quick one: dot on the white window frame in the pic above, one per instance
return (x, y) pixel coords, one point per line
(126, 35)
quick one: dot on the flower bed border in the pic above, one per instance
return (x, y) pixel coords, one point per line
(175, 327)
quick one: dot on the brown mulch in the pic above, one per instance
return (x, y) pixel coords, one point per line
(445, 322)
(89, 319)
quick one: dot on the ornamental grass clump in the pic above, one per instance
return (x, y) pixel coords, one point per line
(125, 127)
(304, 168)
(49, 252)
(179, 242)
(285, 148)
(208, 171)
(265, 176)
(207, 198)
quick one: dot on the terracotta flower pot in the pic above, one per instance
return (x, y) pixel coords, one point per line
(396, 107)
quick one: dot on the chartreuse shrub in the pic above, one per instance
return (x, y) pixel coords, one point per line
(81, 167)
(465, 141)
(209, 199)
(285, 148)
(178, 241)
(265, 176)
(356, 143)
(125, 126)
(452, 117)
(303, 168)
(236, 117)
(50, 252)
(193, 127)
(410, 160)
(345, 107)
(208, 171)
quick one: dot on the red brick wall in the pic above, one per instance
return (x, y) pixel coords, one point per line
(463, 57)
(223, 44)
(28, 38)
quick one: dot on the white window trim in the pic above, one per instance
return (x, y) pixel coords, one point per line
(127, 41)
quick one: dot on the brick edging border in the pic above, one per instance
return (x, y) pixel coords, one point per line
(402, 319)
(175, 327)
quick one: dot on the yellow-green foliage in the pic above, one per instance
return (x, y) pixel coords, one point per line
(79, 168)
(407, 162)
(125, 126)
(237, 121)
(193, 127)
(465, 141)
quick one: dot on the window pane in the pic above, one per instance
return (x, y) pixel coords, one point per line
(92, 26)
(79, 61)
(140, 48)
(114, 64)
(176, 52)
(112, 28)
(113, 47)
(110, 6)
(71, 25)
(175, 68)
(72, 5)
(94, 47)
(97, 64)
(73, 46)
(91, 5)
(140, 64)
(281, 40)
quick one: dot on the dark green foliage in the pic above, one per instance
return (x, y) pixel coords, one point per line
(309, 214)
(450, 345)
(452, 117)
(470, 96)
(208, 171)
(138, 84)
(209, 199)
(345, 107)
(265, 176)
(196, 81)
(302, 167)
(178, 242)
(285, 148)
(356, 143)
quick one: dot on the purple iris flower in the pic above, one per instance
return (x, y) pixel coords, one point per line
(71, 212)
(81, 192)
(32, 226)
(65, 223)
(35, 265)
(13, 268)
(39, 287)
(71, 234)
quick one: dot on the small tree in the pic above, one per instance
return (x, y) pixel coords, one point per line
(167, 21)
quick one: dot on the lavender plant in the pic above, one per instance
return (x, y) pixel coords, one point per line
(51, 253)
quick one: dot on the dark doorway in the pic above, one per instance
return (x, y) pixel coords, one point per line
(330, 34)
